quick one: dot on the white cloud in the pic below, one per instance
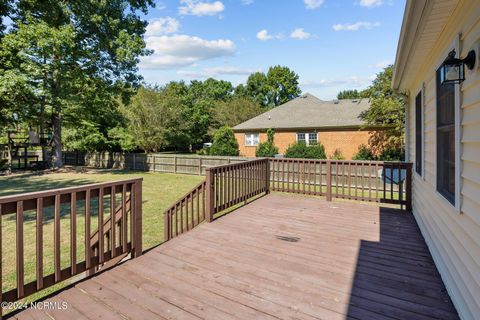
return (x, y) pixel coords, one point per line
(313, 4)
(355, 26)
(352, 82)
(160, 26)
(371, 3)
(381, 64)
(200, 8)
(263, 35)
(183, 50)
(216, 71)
(300, 34)
(247, 2)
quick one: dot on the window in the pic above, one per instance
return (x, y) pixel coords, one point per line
(252, 139)
(446, 139)
(308, 138)
(418, 133)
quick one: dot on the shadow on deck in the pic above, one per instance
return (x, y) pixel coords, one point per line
(279, 257)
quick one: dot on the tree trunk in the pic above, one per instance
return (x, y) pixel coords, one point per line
(57, 161)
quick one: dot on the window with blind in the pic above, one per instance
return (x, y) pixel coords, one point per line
(252, 139)
(446, 139)
(309, 138)
(418, 133)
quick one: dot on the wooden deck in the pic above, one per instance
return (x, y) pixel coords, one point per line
(279, 257)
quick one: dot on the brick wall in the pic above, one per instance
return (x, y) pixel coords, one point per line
(347, 141)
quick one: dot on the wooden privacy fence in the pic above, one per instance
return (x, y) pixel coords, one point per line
(386, 182)
(225, 186)
(83, 212)
(154, 162)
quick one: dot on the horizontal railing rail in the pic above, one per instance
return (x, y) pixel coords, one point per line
(73, 213)
(386, 182)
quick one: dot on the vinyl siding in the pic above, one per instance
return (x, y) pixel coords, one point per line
(453, 237)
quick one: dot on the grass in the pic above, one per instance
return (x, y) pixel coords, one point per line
(159, 191)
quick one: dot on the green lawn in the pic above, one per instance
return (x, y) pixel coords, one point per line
(159, 191)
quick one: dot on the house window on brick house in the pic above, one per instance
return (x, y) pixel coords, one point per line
(252, 139)
(309, 138)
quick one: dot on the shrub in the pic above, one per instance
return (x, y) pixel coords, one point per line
(364, 153)
(301, 150)
(224, 143)
(391, 154)
(337, 155)
(267, 148)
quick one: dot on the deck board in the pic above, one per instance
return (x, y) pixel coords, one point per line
(351, 261)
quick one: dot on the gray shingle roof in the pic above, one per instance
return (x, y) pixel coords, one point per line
(308, 111)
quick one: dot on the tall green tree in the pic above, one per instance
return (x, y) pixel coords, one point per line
(59, 46)
(349, 94)
(235, 111)
(387, 110)
(282, 84)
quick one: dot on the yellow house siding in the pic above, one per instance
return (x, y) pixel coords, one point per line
(453, 237)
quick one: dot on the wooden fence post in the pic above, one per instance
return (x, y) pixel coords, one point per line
(210, 195)
(134, 161)
(138, 218)
(200, 166)
(329, 180)
(409, 186)
(175, 164)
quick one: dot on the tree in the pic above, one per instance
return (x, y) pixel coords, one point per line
(60, 46)
(267, 148)
(234, 111)
(363, 153)
(256, 88)
(155, 121)
(387, 110)
(224, 143)
(301, 150)
(282, 84)
(348, 94)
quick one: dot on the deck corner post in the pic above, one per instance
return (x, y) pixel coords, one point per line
(409, 187)
(210, 195)
(267, 175)
(137, 250)
(166, 225)
(329, 180)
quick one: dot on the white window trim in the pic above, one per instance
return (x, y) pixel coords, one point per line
(253, 144)
(458, 132)
(307, 136)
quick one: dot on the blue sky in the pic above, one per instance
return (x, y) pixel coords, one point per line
(332, 44)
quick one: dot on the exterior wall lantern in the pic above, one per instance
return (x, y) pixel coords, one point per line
(452, 69)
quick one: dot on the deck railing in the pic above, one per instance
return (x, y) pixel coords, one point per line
(386, 182)
(76, 212)
(225, 186)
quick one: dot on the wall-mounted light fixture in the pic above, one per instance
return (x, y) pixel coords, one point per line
(452, 69)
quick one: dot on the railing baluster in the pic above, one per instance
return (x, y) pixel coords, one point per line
(88, 247)
(39, 234)
(73, 233)
(124, 218)
(57, 237)
(113, 221)
(20, 255)
(101, 257)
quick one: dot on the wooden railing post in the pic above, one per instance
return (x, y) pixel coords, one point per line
(267, 176)
(166, 225)
(210, 195)
(138, 218)
(409, 186)
(329, 180)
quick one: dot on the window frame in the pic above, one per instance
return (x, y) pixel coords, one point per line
(420, 132)
(252, 134)
(458, 133)
(307, 137)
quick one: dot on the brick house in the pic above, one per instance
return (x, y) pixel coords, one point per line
(336, 124)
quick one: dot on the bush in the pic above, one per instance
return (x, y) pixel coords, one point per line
(337, 155)
(301, 150)
(224, 143)
(364, 153)
(392, 154)
(267, 148)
